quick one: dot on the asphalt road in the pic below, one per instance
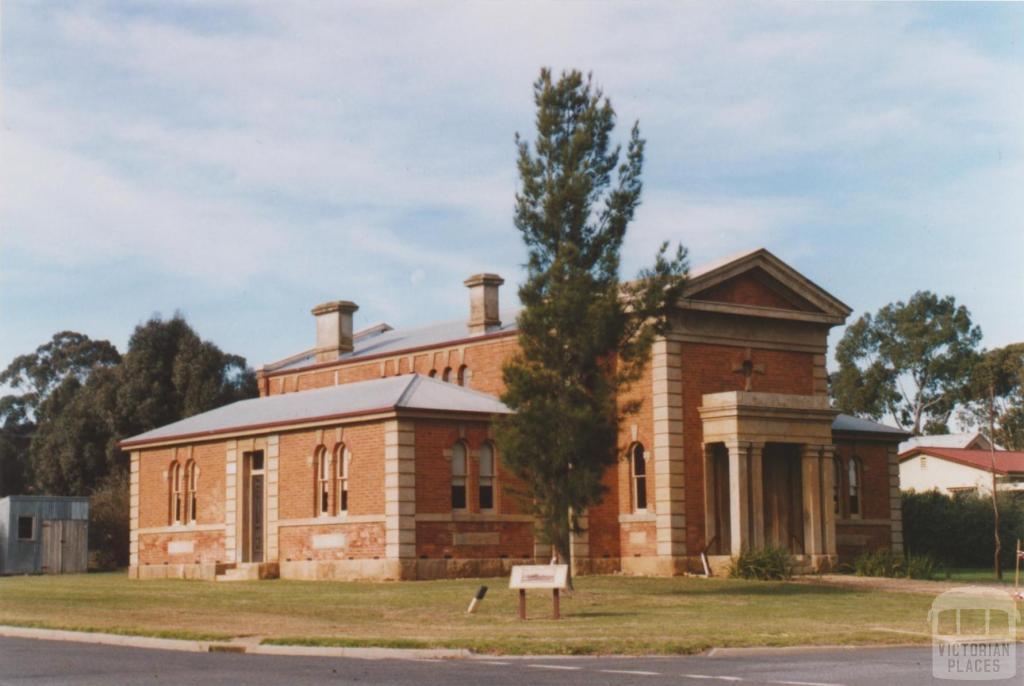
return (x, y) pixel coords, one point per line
(29, 661)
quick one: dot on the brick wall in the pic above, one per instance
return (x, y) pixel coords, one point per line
(206, 546)
(749, 289)
(483, 361)
(297, 477)
(355, 541)
(474, 540)
(155, 485)
(871, 531)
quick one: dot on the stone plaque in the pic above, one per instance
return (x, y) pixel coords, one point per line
(329, 541)
(180, 547)
(476, 538)
(638, 537)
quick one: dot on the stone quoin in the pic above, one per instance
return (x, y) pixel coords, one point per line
(371, 455)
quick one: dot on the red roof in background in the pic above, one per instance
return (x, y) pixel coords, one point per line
(1006, 460)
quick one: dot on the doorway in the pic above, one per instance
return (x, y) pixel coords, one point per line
(783, 497)
(254, 511)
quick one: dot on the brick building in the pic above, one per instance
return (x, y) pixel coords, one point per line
(371, 455)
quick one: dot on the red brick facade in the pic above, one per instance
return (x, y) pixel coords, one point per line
(434, 534)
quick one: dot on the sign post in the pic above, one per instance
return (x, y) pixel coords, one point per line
(555, 577)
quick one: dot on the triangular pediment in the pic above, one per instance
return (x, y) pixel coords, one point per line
(758, 281)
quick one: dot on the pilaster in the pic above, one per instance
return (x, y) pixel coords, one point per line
(828, 477)
(133, 509)
(272, 497)
(232, 551)
(667, 409)
(400, 489)
(895, 500)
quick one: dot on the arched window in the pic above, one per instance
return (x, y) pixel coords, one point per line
(837, 486)
(463, 377)
(486, 480)
(853, 482)
(446, 376)
(343, 458)
(323, 482)
(432, 373)
(638, 467)
(177, 497)
(191, 484)
(459, 476)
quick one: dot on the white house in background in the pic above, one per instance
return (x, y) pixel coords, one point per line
(960, 470)
(973, 441)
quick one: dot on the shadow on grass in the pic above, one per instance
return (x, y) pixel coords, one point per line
(765, 588)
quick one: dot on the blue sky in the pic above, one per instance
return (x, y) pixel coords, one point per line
(242, 162)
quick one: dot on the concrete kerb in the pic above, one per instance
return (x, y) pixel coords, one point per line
(233, 646)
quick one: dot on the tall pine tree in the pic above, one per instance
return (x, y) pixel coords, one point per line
(584, 335)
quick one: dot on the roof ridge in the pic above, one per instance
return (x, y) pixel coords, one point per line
(409, 388)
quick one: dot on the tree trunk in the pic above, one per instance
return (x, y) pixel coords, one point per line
(995, 500)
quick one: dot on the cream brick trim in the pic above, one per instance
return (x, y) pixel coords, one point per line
(331, 521)
(632, 517)
(231, 478)
(460, 516)
(667, 408)
(180, 529)
(133, 509)
(272, 477)
(400, 489)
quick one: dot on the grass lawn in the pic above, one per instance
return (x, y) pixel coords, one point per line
(606, 614)
(972, 575)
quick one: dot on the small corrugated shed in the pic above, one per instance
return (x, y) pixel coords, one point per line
(43, 534)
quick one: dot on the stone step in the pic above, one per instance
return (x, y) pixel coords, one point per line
(249, 571)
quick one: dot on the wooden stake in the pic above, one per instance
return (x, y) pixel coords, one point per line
(555, 609)
(522, 603)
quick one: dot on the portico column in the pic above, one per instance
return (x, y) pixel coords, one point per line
(812, 499)
(739, 495)
(757, 494)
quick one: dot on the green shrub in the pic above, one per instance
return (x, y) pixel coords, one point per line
(763, 564)
(108, 523)
(956, 531)
(887, 564)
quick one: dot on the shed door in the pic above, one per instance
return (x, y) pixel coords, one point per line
(64, 546)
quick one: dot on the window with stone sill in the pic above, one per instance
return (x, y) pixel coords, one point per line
(323, 482)
(853, 480)
(343, 459)
(177, 496)
(191, 486)
(638, 475)
(459, 476)
(446, 375)
(485, 485)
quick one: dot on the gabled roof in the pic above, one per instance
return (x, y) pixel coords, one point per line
(849, 424)
(974, 440)
(1006, 461)
(829, 309)
(408, 392)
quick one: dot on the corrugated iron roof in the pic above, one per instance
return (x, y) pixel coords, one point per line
(1006, 460)
(847, 422)
(411, 391)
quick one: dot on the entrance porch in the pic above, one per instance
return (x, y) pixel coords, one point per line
(768, 477)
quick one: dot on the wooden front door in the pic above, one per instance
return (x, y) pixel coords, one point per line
(783, 497)
(255, 510)
(65, 546)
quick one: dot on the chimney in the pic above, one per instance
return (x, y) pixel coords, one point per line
(483, 302)
(333, 329)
